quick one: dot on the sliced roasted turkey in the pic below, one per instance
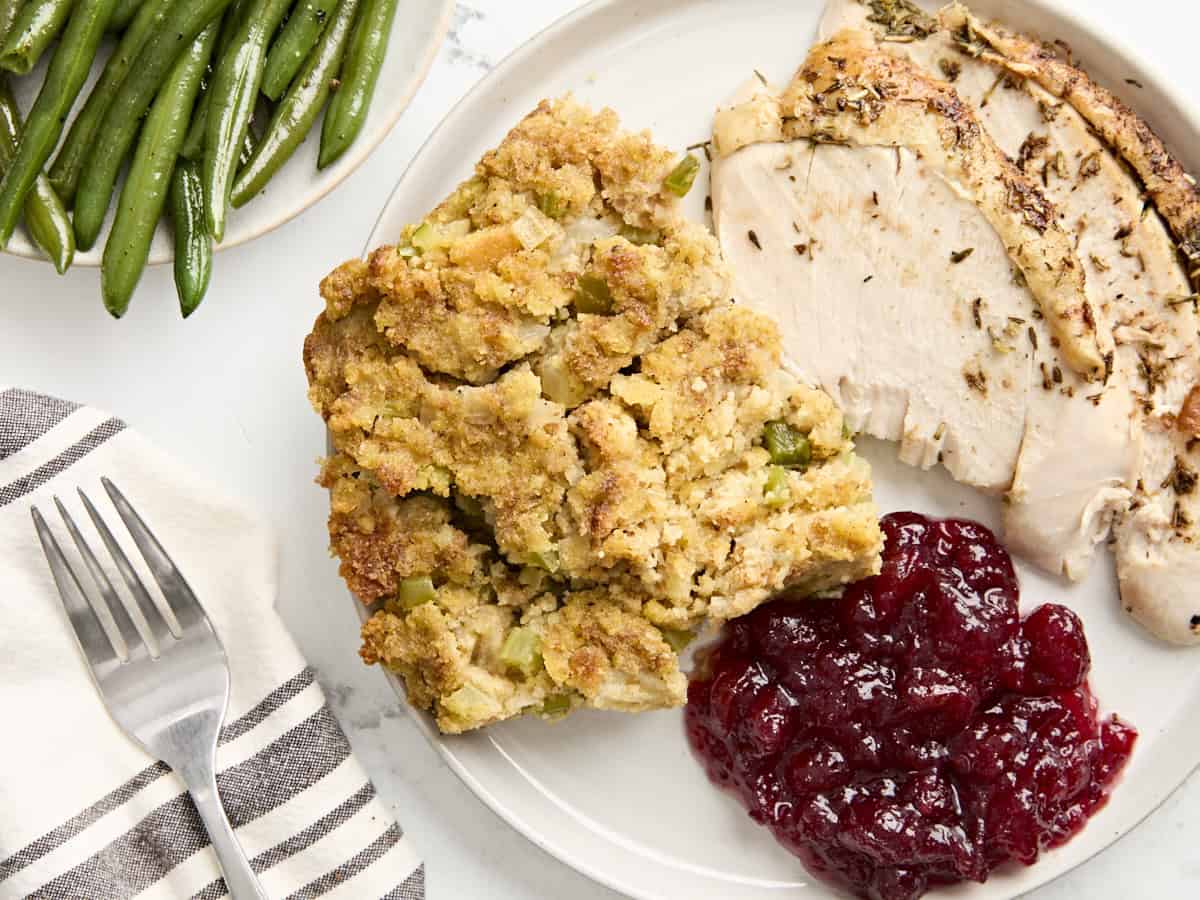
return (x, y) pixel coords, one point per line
(968, 267)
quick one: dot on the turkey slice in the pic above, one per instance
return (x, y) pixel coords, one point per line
(1083, 141)
(860, 249)
(1126, 451)
(915, 306)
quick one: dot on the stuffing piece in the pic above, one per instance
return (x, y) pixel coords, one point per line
(559, 448)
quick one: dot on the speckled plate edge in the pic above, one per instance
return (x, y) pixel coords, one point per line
(1040, 16)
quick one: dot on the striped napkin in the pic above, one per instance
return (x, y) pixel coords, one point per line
(84, 813)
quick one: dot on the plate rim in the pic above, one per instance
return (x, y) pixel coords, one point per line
(1064, 10)
(351, 161)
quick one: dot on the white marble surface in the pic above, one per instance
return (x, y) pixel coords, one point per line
(225, 393)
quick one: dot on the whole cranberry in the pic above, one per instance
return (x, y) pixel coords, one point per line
(1058, 651)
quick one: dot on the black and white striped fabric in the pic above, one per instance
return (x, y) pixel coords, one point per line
(84, 813)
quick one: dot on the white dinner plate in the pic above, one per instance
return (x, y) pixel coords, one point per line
(620, 797)
(418, 31)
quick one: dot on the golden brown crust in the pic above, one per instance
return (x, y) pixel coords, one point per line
(382, 540)
(607, 655)
(1188, 420)
(572, 473)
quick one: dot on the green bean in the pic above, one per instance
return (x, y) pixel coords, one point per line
(68, 164)
(249, 145)
(45, 216)
(123, 14)
(295, 114)
(183, 23)
(145, 192)
(193, 144)
(229, 25)
(8, 15)
(235, 90)
(36, 27)
(348, 109)
(295, 42)
(193, 243)
(68, 69)
(49, 224)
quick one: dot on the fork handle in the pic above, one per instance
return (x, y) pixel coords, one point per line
(240, 879)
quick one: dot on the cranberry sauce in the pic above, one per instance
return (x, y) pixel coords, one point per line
(914, 731)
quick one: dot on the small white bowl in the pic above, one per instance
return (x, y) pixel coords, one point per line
(417, 33)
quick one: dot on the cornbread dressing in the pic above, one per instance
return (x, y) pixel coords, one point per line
(549, 425)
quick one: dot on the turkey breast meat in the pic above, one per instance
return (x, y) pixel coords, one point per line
(934, 210)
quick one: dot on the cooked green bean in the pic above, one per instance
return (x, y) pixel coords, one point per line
(183, 23)
(68, 164)
(348, 109)
(49, 224)
(249, 145)
(193, 144)
(36, 27)
(45, 216)
(193, 243)
(8, 14)
(145, 192)
(295, 42)
(295, 114)
(229, 25)
(68, 70)
(235, 90)
(123, 14)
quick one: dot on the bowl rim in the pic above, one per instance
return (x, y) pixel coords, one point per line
(355, 156)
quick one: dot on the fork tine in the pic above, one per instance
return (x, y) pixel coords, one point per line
(176, 590)
(94, 639)
(158, 621)
(130, 634)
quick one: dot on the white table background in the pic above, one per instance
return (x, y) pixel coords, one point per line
(225, 392)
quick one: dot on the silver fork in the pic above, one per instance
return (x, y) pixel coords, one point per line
(167, 687)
